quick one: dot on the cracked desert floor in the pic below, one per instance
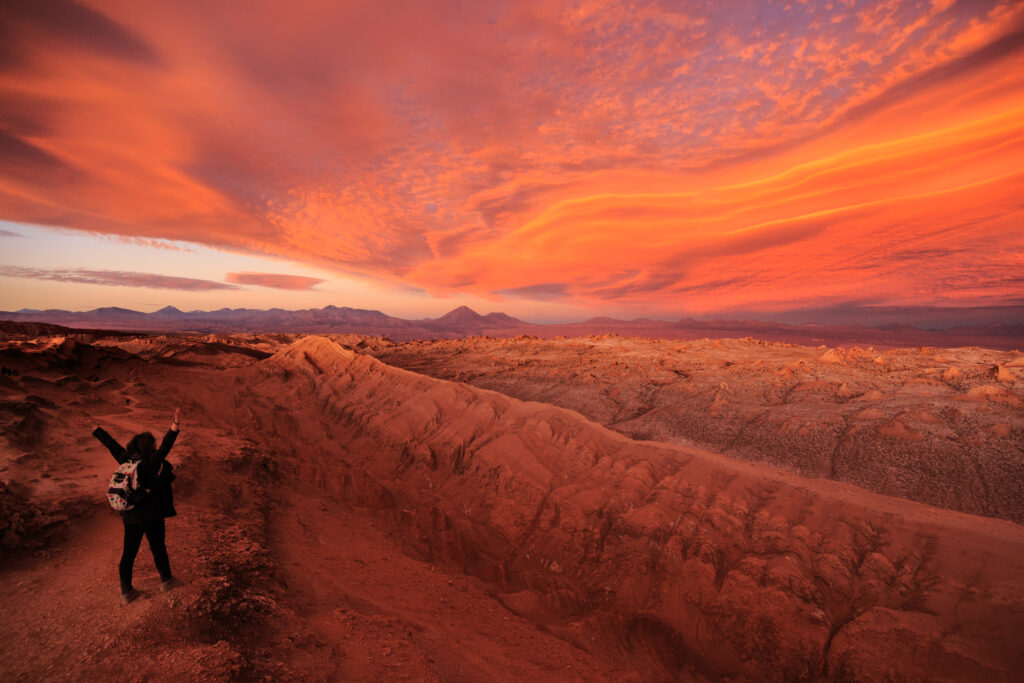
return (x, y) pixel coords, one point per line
(594, 508)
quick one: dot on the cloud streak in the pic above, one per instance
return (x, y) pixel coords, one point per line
(275, 280)
(653, 156)
(117, 278)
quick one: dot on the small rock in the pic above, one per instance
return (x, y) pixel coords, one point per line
(1001, 374)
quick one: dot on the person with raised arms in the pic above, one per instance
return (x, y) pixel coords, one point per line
(141, 490)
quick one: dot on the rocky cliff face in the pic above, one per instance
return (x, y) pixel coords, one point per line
(940, 426)
(683, 562)
(656, 561)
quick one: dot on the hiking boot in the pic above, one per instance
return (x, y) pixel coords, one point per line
(170, 584)
(129, 596)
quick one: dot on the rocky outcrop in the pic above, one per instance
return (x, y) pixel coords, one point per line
(941, 427)
(678, 560)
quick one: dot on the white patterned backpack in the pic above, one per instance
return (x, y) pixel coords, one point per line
(124, 489)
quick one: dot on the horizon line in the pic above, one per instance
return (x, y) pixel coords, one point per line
(653, 318)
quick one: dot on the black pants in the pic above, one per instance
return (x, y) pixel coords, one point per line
(154, 532)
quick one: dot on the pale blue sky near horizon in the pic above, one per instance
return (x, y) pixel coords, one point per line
(49, 248)
(824, 163)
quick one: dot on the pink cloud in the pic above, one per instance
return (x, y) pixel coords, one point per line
(609, 152)
(117, 278)
(276, 280)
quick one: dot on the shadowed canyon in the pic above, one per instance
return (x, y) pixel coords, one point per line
(590, 508)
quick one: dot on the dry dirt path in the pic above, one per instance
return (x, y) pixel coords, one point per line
(672, 560)
(386, 616)
(280, 582)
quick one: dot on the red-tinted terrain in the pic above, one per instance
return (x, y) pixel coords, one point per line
(493, 515)
(940, 426)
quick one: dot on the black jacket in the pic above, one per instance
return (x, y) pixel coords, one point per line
(155, 474)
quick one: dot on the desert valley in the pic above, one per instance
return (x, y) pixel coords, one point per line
(588, 508)
(512, 340)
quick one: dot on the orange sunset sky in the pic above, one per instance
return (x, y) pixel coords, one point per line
(839, 161)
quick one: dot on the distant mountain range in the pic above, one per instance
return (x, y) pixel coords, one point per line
(464, 321)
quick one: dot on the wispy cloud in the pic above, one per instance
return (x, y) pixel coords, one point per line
(548, 290)
(661, 156)
(275, 280)
(116, 278)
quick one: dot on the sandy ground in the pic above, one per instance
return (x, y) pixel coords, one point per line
(343, 519)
